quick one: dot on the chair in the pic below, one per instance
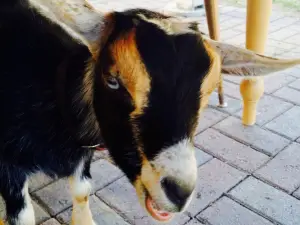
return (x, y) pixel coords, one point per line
(258, 17)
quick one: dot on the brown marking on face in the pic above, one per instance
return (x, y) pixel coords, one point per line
(131, 70)
(150, 176)
(149, 180)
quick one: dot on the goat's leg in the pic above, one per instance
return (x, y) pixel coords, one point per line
(14, 190)
(222, 103)
(80, 190)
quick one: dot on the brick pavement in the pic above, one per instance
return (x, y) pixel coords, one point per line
(247, 175)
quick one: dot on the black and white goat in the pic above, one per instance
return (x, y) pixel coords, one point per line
(138, 80)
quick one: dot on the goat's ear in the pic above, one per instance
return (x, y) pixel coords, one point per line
(239, 61)
(77, 17)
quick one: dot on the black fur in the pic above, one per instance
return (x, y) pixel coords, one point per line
(41, 113)
(33, 132)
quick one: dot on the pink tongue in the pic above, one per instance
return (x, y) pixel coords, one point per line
(159, 215)
(164, 214)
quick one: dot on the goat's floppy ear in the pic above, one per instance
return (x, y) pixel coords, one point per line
(238, 61)
(77, 17)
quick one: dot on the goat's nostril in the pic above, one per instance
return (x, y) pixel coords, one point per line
(176, 193)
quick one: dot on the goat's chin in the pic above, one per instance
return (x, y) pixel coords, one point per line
(150, 206)
(156, 213)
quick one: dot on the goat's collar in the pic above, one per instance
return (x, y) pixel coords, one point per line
(97, 147)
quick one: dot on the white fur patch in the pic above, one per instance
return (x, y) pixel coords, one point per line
(80, 190)
(79, 186)
(26, 215)
(178, 161)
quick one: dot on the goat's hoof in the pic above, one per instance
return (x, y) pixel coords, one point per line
(224, 105)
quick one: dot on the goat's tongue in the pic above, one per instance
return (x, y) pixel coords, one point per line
(156, 213)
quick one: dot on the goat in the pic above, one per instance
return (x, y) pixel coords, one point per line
(137, 80)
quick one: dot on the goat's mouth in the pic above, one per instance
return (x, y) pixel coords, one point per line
(155, 211)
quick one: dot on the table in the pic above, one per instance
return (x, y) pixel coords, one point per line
(258, 19)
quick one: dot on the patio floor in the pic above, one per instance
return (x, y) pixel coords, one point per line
(247, 175)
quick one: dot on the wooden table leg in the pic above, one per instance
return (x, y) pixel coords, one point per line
(258, 17)
(212, 16)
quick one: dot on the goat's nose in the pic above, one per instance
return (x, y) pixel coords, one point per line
(176, 193)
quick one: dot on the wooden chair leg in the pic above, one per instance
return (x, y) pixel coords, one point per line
(212, 16)
(258, 17)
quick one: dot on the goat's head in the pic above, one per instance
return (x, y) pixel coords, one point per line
(152, 75)
(149, 82)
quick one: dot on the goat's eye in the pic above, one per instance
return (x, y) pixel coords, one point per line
(112, 83)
